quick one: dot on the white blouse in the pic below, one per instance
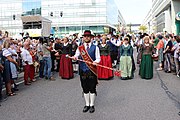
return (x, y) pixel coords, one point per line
(97, 52)
(6, 52)
(26, 57)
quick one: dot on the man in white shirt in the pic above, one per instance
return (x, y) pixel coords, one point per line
(88, 72)
(27, 63)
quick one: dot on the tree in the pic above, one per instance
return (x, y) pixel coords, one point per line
(143, 28)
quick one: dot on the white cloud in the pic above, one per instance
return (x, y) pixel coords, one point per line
(134, 11)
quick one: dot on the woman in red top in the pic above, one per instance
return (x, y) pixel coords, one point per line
(159, 52)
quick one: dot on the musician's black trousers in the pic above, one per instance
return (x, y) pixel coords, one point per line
(88, 81)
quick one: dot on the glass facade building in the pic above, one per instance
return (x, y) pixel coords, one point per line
(31, 7)
(67, 16)
(10, 16)
(164, 15)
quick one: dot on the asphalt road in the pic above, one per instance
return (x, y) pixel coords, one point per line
(136, 99)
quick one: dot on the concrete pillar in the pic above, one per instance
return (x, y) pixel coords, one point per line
(168, 20)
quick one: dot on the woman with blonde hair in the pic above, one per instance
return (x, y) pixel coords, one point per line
(105, 61)
(7, 58)
(146, 65)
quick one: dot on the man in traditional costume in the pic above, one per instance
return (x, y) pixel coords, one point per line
(88, 72)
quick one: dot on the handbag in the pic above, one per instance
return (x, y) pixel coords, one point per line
(35, 64)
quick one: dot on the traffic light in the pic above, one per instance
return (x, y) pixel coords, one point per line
(51, 14)
(14, 17)
(61, 13)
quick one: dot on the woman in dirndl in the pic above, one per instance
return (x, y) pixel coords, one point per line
(126, 62)
(103, 73)
(146, 65)
(66, 68)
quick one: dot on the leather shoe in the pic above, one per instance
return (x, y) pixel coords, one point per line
(92, 109)
(123, 78)
(86, 108)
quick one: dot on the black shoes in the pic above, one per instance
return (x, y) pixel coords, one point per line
(123, 78)
(86, 108)
(166, 71)
(90, 108)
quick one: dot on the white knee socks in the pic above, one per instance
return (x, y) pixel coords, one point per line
(92, 98)
(87, 99)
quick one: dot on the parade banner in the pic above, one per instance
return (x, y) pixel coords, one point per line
(116, 72)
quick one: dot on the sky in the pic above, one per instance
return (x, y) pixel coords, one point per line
(134, 11)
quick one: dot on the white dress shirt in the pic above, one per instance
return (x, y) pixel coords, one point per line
(97, 53)
(26, 57)
(65, 44)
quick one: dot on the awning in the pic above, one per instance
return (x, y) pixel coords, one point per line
(34, 18)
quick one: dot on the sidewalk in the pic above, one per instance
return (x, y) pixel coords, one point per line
(20, 79)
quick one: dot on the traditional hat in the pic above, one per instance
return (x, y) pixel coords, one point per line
(87, 33)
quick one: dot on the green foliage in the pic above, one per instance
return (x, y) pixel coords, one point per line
(143, 28)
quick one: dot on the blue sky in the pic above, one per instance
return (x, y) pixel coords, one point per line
(134, 11)
(28, 5)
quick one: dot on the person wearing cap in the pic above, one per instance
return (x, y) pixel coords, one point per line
(66, 68)
(103, 73)
(126, 55)
(88, 72)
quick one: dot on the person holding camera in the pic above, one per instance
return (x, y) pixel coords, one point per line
(47, 60)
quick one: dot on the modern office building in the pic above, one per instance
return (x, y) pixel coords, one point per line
(10, 15)
(166, 15)
(148, 22)
(67, 16)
